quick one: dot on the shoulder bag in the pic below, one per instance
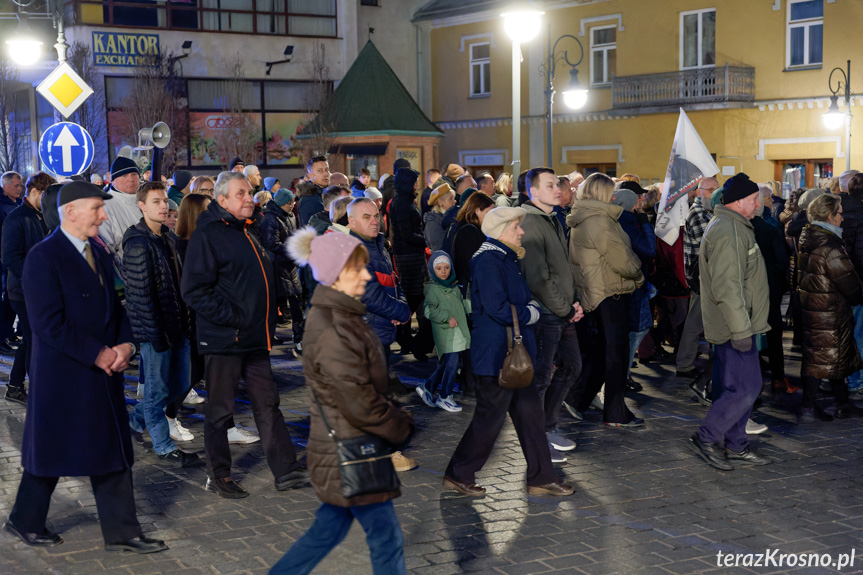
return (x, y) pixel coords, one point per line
(517, 370)
(365, 462)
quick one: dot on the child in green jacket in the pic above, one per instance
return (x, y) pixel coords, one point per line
(445, 308)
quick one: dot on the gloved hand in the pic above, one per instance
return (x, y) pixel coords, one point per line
(742, 345)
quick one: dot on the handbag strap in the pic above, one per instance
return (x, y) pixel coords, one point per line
(515, 322)
(330, 430)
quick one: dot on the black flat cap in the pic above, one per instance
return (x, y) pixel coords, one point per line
(79, 190)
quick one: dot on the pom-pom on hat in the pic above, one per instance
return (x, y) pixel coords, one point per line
(326, 254)
(496, 220)
(738, 187)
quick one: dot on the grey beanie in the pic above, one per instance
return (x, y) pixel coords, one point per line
(624, 198)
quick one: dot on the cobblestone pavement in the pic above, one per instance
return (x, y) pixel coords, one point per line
(643, 502)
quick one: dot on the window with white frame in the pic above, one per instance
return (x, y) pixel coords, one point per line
(603, 54)
(698, 38)
(805, 33)
(480, 69)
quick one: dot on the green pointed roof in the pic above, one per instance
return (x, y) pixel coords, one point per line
(371, 100)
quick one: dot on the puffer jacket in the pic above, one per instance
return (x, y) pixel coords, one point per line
(23, 228)
(276, 228)
(546, 262)
(228, 281)
(345, 367)
(152, 272)
(383, 297)
(829, 287)
(601, 255)
(310, 202)
(433, 231)
(443, 302)
(735, 298)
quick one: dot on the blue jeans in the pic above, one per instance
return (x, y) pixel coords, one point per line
(383, 534)
(167, 374)
(444, 375)
(734, 392)
(635, 339)
(855, 380)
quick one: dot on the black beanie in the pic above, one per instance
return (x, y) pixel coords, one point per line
(738, 187)
(123, 166)
(234, 163)
(400, 163)
(182, 179)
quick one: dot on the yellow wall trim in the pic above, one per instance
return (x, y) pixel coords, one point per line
(791, 148)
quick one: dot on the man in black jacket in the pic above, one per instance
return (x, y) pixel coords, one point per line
(228, 281)
(160, 320)
(23, 228)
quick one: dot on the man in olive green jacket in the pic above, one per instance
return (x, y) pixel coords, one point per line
(734, 304)
(546, 268)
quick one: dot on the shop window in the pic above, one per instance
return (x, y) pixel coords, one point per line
(480, 69)
(368, 162)
(795, 174)
(698, 39)
(603, 55)
(804, 37)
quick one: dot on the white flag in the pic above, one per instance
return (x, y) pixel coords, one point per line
(689, 163)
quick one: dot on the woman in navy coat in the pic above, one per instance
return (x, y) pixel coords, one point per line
(496, 285)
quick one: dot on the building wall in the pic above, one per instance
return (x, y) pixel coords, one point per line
(783, 123)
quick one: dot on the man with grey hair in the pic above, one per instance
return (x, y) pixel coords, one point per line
(228, 280)
(253, 174)
(696, 222)
(13, 191)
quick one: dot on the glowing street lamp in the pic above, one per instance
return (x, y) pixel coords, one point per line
(833, 118)
(520, 26)
(575, 95)
(23, 47)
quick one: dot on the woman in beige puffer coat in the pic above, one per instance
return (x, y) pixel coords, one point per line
(606, 272)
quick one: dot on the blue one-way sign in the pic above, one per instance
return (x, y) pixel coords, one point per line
(66, 149)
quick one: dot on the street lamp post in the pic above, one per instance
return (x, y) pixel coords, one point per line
(24, 48)
(575, 95)
(521, 26)
(833, 117)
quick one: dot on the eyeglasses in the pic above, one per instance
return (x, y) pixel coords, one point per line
(206, 190)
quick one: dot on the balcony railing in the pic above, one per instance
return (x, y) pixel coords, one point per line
(699, 86)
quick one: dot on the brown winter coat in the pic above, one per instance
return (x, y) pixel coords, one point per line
(828, 287)
(344, 364)
(600, 253)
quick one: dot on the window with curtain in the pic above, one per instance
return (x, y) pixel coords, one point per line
(480, 69)
(804, 37)
(603, 54)
(698, 39)
(312, 18)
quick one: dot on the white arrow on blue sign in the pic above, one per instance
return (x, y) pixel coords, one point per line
(66, 149)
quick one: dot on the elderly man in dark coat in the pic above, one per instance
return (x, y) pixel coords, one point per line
(76, 412)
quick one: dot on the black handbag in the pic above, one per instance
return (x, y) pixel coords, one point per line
(365, 462)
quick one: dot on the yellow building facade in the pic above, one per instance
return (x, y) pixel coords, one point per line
(751, 74)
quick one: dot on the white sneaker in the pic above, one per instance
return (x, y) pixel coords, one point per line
(448, 403)
(237, 435)
(177, 431)
(424, 394)
(596, 403)
(754, 428)
(140, 392)
(192, 398)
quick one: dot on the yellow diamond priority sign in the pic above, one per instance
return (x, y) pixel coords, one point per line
(65, 89)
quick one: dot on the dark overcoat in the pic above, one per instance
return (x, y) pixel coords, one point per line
(76, 414)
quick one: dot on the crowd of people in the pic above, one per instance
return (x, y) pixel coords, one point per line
(194, 274)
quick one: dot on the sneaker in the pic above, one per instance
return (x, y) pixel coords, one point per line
(298, 350)
(556, 456)
(856, 395)
(560, 442)
(402, 463)
(576, 414)
(711, 453)
(293, 480)
(16, 394)
(596, 403)
(448, 403)
(237, 435)
(425, 395)
(192, 398)
(754, 428)
(634, 422)
(177, 431)
(181, 458)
